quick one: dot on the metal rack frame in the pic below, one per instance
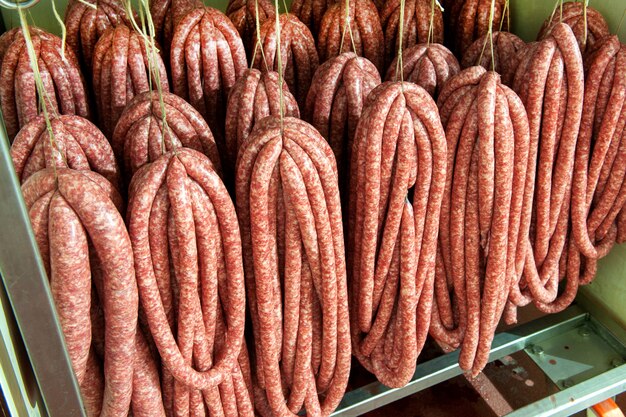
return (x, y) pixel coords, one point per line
(26, 285)
(570, 400)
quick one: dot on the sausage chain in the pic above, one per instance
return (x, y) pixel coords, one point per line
(550, 82)
(120, 72)
(572, 14)
(74, 215)
(290, 213)
(485, 214)
(299, 58)
(364, 36)
(399, 155)
(138, 133)
(166, 14)
(506, 54)
(85, 25)
(428, 65)
(416, 25)
(311, 12)
(207, 58)
(78, 144)
(335, 102)
(598, 187)
(63, 83)
(187, 247)
(254, 96)
(468, 20)
(243, 15)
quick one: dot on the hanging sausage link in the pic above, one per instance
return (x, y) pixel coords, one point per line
(186, 241)
(485, 214)
(399, 155)
(120, 72)
(428, 65)
(290, 212)
(65, 91)
(139, 135)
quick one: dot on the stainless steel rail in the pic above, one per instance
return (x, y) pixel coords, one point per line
(442, 368)
(576, 398)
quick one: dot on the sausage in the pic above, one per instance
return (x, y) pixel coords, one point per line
(418, 14)
(441, 64)
(139, 139)
(304, 202)
(364, 33)
(506, 48)
(243, 15)
(496, 277)
(92, 386)
(472, 259)
(39, 219)
(223, 62)
(120, 302)
(547, 155)
(254, 96)
(299, 60)
(70, 281)
(112, 64)
(146, 399)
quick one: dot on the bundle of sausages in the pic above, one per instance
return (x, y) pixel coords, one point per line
(311, 12)
(486, 211)
(299, 60)
(186, 242)
(290, 213)
(550, 82)
(598, 190)
(78, 144)
(207, 57)
(88, 257)
(428, 65)
(142, 134)
(243, 14)
(352, 26)
(335, 102)
(468, 20)
(497, 51)
(399, 155)
(587, 23)
(120, 72)
(254, 96)
(85, 25)
(416, 27)
(64, 85)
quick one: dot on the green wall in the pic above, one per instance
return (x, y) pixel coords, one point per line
(609, 288)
